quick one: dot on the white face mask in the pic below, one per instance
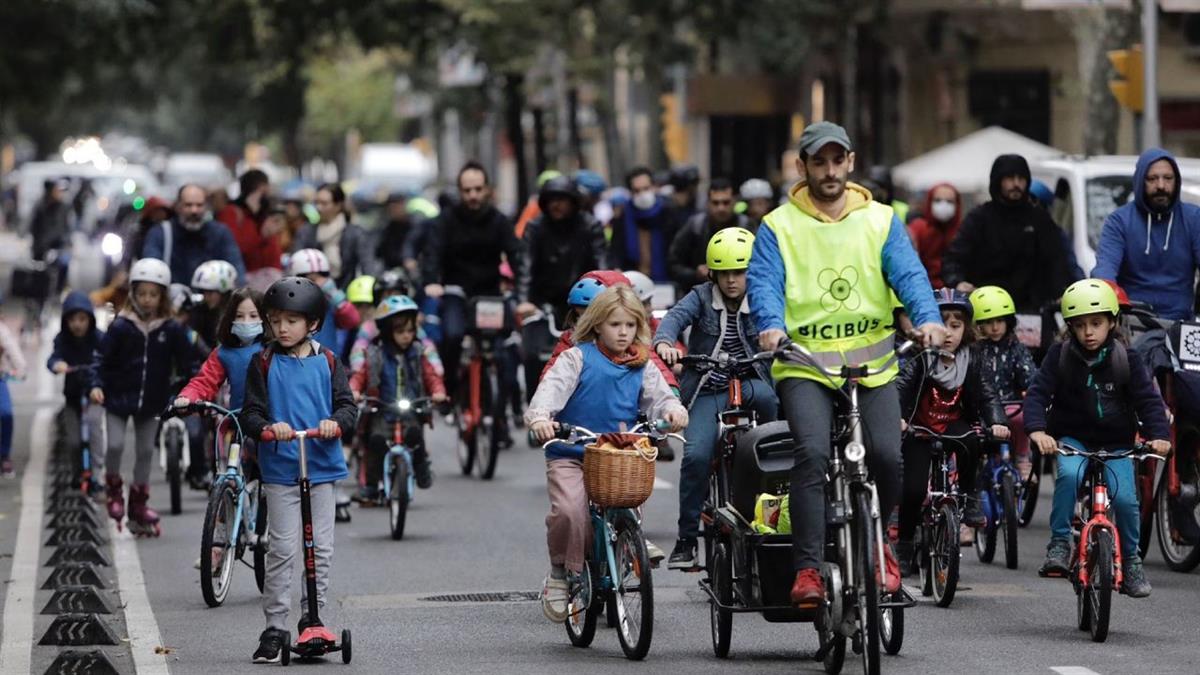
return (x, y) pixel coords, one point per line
(644, 200)
(942, 210)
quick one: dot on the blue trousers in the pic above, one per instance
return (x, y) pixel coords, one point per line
(1122, 496)
(6, 421)
(702, 439)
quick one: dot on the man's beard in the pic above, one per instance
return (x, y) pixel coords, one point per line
(1157, 205)
(820, 195)
(192, 225)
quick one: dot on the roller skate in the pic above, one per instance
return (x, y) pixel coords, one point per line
(143, 520)
(116, 498)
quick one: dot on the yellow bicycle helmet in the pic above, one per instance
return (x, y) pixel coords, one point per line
(992, 302)
(1089, 296)
(729, 249)
(361, 291)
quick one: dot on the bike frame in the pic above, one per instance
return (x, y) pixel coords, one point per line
(998, 464)
(398, 450)
(85, 446)
(1098, 519)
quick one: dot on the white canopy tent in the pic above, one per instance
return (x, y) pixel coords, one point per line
(966, 163)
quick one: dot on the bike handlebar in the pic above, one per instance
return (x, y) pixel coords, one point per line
(267, 435)
(917, 431)
(654, 430)
(1139, 452)
(195, 407)
(415, 406)
(724, 362)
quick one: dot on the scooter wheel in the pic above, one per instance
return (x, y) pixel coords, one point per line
(285, 654)
(346, 645)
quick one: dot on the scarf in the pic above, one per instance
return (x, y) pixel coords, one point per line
(950, 376)
(635, 357)
(329, 238)
(649, 223)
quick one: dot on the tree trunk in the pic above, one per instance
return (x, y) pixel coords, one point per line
(516, 135)
(1097, 31)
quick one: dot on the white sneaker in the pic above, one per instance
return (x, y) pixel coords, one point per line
(554, 599)
(656, 554)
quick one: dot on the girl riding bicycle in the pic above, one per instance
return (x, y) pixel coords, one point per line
(1093, 391)
(946, 394)
(1007, 364)
(601, 384)
(240, 335)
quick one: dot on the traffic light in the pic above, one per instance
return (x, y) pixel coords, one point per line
(1127, 86)
(674, 136)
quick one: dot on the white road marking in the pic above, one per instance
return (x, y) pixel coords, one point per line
(19, 610)
(144, 635)
(1074, 670)
(45, 379)
(660, 484)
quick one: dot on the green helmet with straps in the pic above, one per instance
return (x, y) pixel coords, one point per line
(1089, 296)
(992, 302)
(729, 249)
(546, 175)
(361, 291)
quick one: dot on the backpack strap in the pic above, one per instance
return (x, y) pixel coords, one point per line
(1118, 358)
(168, 236)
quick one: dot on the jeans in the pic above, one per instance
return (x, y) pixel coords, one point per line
(808, 407)
(1122, 497)
(454, 326)
(701, 444)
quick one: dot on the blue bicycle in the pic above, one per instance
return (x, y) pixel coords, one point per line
(1002, 497)
(236, 518)
(399, 482)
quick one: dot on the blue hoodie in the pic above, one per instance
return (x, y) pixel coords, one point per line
(76, 351)
(1153, 256)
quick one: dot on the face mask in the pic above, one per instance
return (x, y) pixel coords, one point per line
(246, 331)
(644, 200)
(943, 210)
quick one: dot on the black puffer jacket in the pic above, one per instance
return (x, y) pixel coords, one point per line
(464, 250)
(689, 248)
(979, 403)
(556, 254)
(1016, 246)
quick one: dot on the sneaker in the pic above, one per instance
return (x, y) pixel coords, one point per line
(554, 599)
(808, 591)
(684, 555)
(424, 474)
(1133, 582)
(6, 469)
(304, 623)
(655, 553)
(270, 643)
(1058, 559)
(368, 494)
(905, 551)
(973, 516)
(893, 570)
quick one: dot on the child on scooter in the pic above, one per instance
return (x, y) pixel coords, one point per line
(395, 367)
(132, 379)
(294, 383)
(75, 346)
(1092, 390)
(948, 394)
(719, 317)
(1007, 364)
(601, 384)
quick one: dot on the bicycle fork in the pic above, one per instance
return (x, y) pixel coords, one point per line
(1099, 520)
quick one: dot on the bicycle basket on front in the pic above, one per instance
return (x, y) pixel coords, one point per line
(619, 476)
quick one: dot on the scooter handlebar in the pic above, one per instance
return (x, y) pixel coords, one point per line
(268, 435)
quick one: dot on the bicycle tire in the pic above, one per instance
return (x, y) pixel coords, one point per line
(262, 538)
(985, 538)
(835, 657)
(222, 506)
(1100, 578)
(1029, 489)
(489, 448)
(174, 448)
(582, 612)
(398, 498)
(868, 593)
(721, 620)
(632, 563)
(944, 556)
(465, 444)
(1179, 555)
(891, 629)
(1008, 519)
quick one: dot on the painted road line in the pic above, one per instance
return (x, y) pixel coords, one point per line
(19, 609)
(144, 635)
(1074, 670)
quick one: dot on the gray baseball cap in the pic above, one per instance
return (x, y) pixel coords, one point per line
(820, 134)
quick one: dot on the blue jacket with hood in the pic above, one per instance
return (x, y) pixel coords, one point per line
(76, 351)
(1153, 254)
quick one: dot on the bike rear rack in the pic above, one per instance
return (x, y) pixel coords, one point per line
(744, 609)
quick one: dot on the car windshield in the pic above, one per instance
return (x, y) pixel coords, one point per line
(1104, 195)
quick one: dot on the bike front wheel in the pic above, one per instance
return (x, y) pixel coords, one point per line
(633, 587)
(1179, 555)
(174, 449)
(398, 498)
(491, 425)
(944, 555)
(866, 565)
(1008, 519)
(218, 543)
(1098, 592)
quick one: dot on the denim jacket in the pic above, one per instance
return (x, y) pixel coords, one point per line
(704, 310)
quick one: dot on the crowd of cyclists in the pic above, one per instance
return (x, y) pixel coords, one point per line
(295, 320)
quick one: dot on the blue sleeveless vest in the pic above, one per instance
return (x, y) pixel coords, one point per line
(235, 361)
(607, 397)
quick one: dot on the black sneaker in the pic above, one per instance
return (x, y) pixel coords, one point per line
(304, 623)
(1058, 559)
(270, 643)
(424, 474)
(683, 557)
(1134, 582)
(972, 516)
(905, 555)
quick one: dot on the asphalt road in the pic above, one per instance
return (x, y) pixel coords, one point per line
(465, 535)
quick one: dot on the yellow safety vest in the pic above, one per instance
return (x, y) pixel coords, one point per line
(839, 305)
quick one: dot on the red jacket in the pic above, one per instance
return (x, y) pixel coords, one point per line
(257, 251)
(931, 238)
(429, 377)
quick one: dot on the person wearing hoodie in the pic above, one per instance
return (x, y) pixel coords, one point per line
(824, 272)
(935, 228)
(1009, 242)
(190, 239)
(74, 350)
(1151, 246)
(641, 237)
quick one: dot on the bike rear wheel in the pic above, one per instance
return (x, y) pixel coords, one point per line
(491, 425)
(1179, 555)
(174, 449)
(398, 498)
(866, 563)
(1008, 518)
(633, 587)
(217, 544)
(582, 610)
(985, 537)
(944, 555)
(466, 442)
(261, 536)
(1100, 583)
(721, 577)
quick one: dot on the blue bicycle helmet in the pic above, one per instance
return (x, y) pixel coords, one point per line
(951, 298)
(1042, 193)
(590, 182)
(584, 291)
(394, 306)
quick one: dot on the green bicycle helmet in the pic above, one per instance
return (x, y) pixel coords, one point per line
(1089, 296)
(992, 302)
(729, 249)
(361, 291)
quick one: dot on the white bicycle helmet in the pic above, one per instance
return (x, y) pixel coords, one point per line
(150, 269)
(642, 285)
(756, 188)
(308, 261)
(215, 275)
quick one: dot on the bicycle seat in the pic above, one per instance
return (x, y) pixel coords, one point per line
(762, 462)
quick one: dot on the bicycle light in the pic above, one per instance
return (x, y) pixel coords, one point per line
(404, 405)
(855, 451)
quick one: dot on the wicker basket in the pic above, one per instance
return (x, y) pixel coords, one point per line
(619, 477)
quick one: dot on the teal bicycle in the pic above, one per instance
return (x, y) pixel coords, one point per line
(236, 518)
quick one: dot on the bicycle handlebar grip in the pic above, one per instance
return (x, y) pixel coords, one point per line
(267, 435)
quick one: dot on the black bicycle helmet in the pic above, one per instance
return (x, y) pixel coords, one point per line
(300, 295)
(392, 281)
(559, 186)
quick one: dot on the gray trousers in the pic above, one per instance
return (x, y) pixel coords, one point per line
(287, 548)
(809, 408)
(145, 432)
